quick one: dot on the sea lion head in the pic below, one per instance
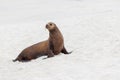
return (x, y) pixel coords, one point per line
(50, 26)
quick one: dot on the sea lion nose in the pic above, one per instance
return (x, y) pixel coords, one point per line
(47, 26)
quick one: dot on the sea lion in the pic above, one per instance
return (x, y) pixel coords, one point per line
(53, 46)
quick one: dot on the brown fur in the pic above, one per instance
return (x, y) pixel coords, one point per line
(53, 46)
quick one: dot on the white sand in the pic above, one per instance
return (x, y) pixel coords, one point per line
(91, 28)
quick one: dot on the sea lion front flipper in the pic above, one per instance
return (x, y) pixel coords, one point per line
(14, 60)
(65, 51)
(50, 54)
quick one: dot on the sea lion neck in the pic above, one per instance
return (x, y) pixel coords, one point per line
(54, 31)
(55, 34)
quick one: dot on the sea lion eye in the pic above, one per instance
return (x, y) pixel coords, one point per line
(50, 24)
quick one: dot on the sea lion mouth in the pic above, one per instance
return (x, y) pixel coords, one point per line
(47, 26)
